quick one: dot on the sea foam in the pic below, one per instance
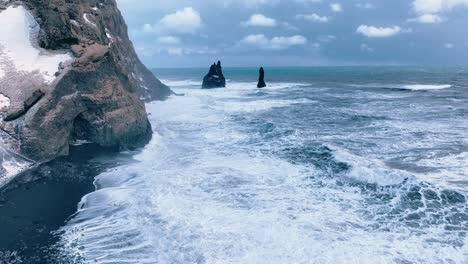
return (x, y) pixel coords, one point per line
(203, 192)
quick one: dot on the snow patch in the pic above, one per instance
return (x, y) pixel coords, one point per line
(19, 49)
(74, 22)
(110, 37)
(4, 102)
(85, 17)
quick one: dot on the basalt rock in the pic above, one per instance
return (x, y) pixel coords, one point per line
(261, 78)
(95, 93)
(215, 77)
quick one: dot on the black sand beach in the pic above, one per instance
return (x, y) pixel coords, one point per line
(40, 201)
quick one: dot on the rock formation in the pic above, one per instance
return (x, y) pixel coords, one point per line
(215, 77)
(261, 79)
(69, 72)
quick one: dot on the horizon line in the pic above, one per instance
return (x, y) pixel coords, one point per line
(319, 66)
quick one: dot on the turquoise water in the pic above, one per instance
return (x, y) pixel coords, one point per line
(325, 165)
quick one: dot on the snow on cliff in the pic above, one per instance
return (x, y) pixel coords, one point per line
(4, 102)
(19, 49)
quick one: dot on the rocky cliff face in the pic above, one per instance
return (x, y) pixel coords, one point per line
(69, 72)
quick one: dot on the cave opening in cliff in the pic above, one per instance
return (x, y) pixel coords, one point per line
(81, 132)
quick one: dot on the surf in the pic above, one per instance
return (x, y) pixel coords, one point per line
(225, 184)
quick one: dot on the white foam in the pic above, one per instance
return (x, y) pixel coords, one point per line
(12, 164)
(417, 87)
(181, 84)
(201, 193)
(228, 99)
(259, 105)
(451, 170)
(4, 102)
(18, 45)
(271, 86)
(413, 87)
(370, 171)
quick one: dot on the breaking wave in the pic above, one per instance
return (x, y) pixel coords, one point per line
(240, 175)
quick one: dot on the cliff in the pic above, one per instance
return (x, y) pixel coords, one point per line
(68, 72)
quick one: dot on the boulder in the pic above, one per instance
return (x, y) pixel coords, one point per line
(90, 84)
(261, 79)
(215, 77)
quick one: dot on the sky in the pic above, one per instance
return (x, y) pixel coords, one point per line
(182, 33)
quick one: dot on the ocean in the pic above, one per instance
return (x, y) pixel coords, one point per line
(325, 165)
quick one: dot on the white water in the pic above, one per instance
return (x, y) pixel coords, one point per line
(412, 87)
(199, 194)
(416, 87)
(11, 164)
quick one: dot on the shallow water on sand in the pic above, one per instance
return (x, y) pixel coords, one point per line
(332, 165)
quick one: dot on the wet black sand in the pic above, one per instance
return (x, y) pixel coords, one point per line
(40, 201)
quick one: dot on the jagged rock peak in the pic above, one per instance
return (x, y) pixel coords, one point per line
(215, 77)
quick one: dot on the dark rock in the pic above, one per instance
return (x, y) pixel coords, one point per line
(77, 50)
(261, 79)
(96, 97)
(215, 77)
(57, 20)
(33, 99)
(28, 103)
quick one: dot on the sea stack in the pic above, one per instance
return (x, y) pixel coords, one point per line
(215, 77)
(261, 78)
(68, 72)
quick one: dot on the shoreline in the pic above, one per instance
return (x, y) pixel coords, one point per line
(39, 201)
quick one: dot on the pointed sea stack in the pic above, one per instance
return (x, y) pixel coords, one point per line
(261, 79)
(214, 78)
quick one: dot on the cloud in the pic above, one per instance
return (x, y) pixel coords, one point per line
(326, 38)
(365, 5)
(436, 6)
(256, 40)
(289, 26)
(449, 46)
(187, 20)
(276, 43)
(336, 7)
(149, 51)
(168, 40)
(366, 48)
(248, 3)
(308, 1)
(378, 32)
(313, 18)
(286, 42)
(427, 19)
(175, 51)
(260, 20)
